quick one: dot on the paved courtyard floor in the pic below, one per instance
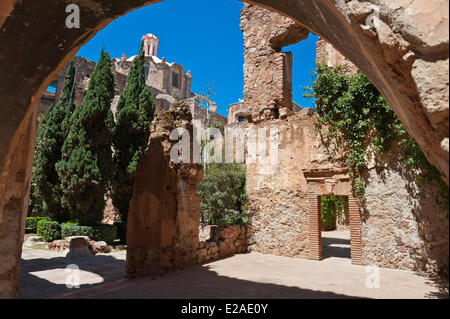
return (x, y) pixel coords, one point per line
(253, 275)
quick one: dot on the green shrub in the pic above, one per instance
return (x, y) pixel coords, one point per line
(223, 194)
(104, 232)
(31, 223)
(361, 122)
(49, 230)
(72, 229)
(331, 209)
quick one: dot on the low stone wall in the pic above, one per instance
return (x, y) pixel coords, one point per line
(221, 241)
(94, 247)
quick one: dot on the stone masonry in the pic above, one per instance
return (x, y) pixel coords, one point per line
(221, 241)
(399, 225)
(168, 83)
(164, 215)
(267, 70)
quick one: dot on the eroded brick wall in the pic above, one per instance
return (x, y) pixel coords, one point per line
(399, 225)
(268, 71)
(164, 213)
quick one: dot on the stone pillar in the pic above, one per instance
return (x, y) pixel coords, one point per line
(355, 230)
(15, 181)
(268, 71)
(314, 234)
(164, 214)
(327, 55)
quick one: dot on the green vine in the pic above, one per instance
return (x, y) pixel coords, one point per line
(356, 115)
(332, 208)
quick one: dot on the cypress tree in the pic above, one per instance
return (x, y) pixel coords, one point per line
(86, 165)
(134, 115)
(46, 191)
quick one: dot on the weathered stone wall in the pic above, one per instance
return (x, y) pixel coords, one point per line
(399, 209)
(164, 211)
(268, 71)
(235, 111)
(278, 200)
(200, 114)
(402, 225)
(47, 99)
(221, 241)
(328, 55)
(14, 205)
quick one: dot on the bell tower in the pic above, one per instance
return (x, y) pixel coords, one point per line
(150, 45)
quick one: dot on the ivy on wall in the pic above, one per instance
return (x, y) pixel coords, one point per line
(357, 115)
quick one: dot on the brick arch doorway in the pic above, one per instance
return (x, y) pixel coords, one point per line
(331, 182)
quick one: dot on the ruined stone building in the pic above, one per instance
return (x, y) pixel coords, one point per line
(168, 82)
(403, 51)
(398, 225)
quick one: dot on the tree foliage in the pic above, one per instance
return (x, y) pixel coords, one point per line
(46, 190)
(332, 208)
(358, 116)
(134, 115)
(223, 194)
(86, 165)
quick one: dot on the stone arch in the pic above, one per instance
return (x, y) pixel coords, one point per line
(404, 52)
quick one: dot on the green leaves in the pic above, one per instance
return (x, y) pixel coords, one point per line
(362, 123)
(46, 190)
(223, 194)
(331, 207)
(85, 168)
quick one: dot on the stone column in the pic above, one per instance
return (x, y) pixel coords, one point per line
(355, 231)
(164, 215)
(15, 181)
(268, 71)
(314, 235)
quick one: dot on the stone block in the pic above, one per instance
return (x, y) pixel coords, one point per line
(77, 247)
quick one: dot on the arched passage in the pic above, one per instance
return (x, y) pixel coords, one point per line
(403, 50)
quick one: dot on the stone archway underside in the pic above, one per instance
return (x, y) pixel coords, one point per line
(405, 54)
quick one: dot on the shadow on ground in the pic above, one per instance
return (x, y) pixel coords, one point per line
(193, 282)
(45, 278)
(441, 283)
(331, 247)
(199, 282)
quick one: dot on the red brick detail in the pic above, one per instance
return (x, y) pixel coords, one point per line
(355, 230)
(315, 236)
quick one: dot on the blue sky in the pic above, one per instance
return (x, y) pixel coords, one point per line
(204, 37)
